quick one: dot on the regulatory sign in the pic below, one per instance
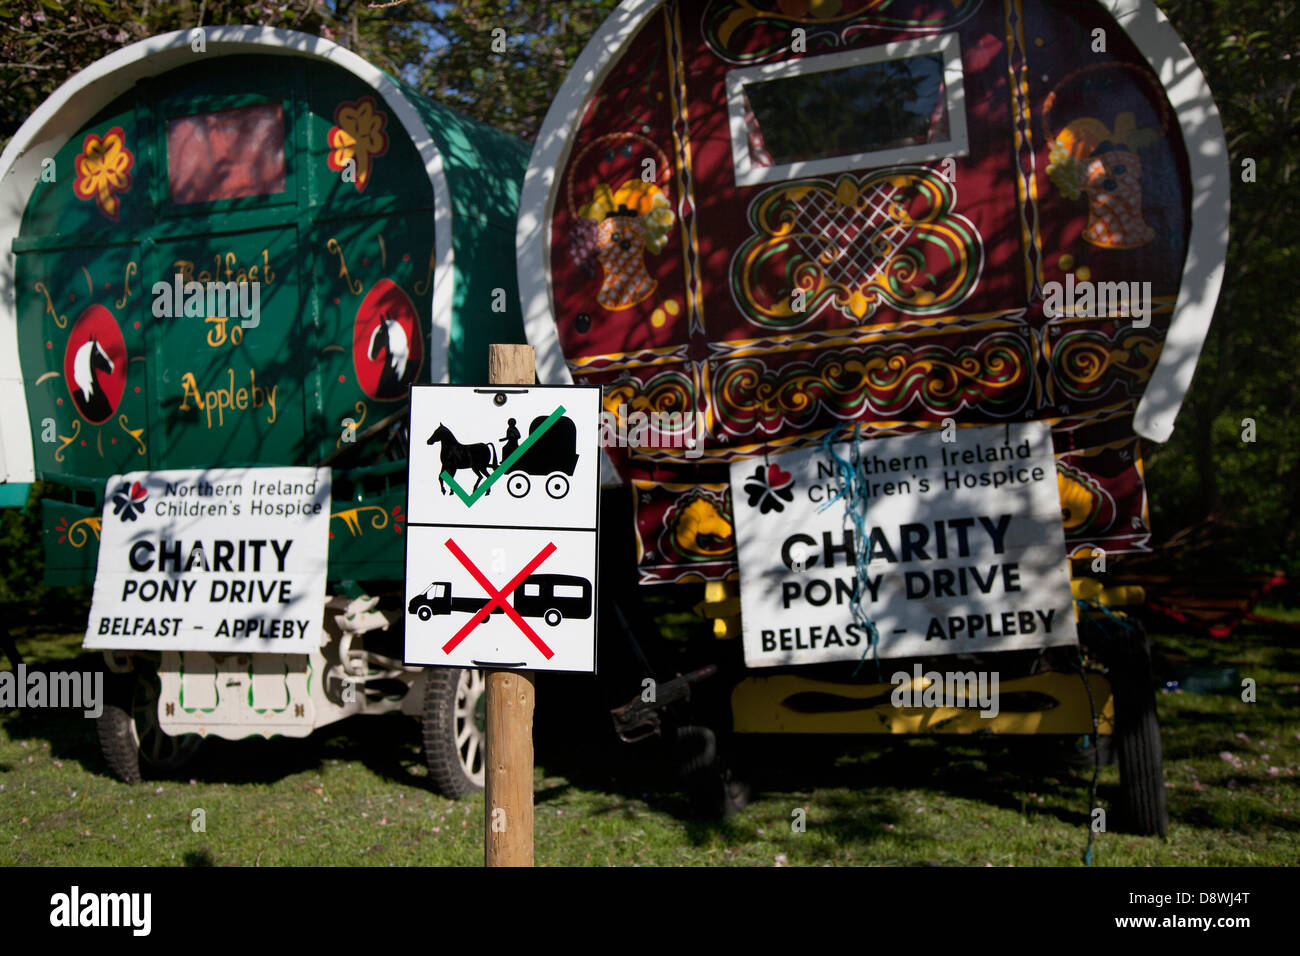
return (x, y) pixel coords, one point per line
(964, 537)
(219, 559)
(503, 496)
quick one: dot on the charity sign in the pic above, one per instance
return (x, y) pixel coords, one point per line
(962, 533)
(217, 559)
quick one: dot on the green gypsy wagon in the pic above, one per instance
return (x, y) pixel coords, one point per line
(347, 235)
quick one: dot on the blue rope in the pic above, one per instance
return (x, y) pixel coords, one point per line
(1091, 604)
(849, 476)
(1087, 606)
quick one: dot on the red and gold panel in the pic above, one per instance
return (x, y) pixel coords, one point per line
(893, 296)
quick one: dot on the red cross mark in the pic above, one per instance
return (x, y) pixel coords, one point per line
(498, 598)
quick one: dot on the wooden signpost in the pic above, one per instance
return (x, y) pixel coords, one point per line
(511, 697)
(501, 557)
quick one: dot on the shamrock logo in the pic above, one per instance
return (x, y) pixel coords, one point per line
(768, 487)
(128, 501)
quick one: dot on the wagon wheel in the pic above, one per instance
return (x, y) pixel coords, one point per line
(557, 485)
(518, 484)
(1126, 652)
(130, 736)
(711, 784)
(454, 725)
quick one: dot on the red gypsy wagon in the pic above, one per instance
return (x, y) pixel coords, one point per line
(860, 279)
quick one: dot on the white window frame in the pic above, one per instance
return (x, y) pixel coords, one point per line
(947, 44)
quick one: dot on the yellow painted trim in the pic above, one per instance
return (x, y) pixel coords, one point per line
(757, 707)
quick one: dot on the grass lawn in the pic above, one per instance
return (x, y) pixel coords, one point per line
(356, 792)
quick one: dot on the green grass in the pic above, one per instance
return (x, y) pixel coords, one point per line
(356, 792)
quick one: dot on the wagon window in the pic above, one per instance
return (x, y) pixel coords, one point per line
(226, 154)
(568, 591)
(861, 109)
(532, 590)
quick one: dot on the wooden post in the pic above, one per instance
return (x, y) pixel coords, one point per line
(508, 809)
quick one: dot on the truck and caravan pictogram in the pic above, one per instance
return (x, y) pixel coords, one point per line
(552, 597)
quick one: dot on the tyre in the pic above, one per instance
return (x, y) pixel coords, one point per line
(455, 731)
(713, 789)
(130, 738)
(553, 617)
(1137, 742)
(117, 741)
(518, 484)
(1144, 809)
(424, 613)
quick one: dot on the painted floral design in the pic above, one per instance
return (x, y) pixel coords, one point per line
(103, 169)
(1087, 158)
(617, 228)
(76, 533)
(358, 134)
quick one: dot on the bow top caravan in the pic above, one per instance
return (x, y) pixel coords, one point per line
(235, 251)
(913, 276)
(781, 218)
(223, 255)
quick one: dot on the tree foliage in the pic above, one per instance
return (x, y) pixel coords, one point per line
(450, 51)
(1249, 51)
(504, 60)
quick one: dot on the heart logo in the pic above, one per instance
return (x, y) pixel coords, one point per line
(138, 492)
(777, 478)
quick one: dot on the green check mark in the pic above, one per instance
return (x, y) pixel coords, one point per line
(505, 465)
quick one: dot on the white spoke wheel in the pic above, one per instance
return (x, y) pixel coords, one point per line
(518, 484)
(454, 724)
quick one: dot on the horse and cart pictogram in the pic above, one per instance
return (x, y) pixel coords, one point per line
(550, 451)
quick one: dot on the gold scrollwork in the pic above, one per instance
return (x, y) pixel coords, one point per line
(901, 219)
(423, 287)
(352, 518)
(77, 534)
(353, 285)
(65, 442)
(60, 320)
(351, 430)
(131, 269)
(134, 433)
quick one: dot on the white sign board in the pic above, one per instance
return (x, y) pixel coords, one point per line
(503, 497)
(966, 548)
(221, 559)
